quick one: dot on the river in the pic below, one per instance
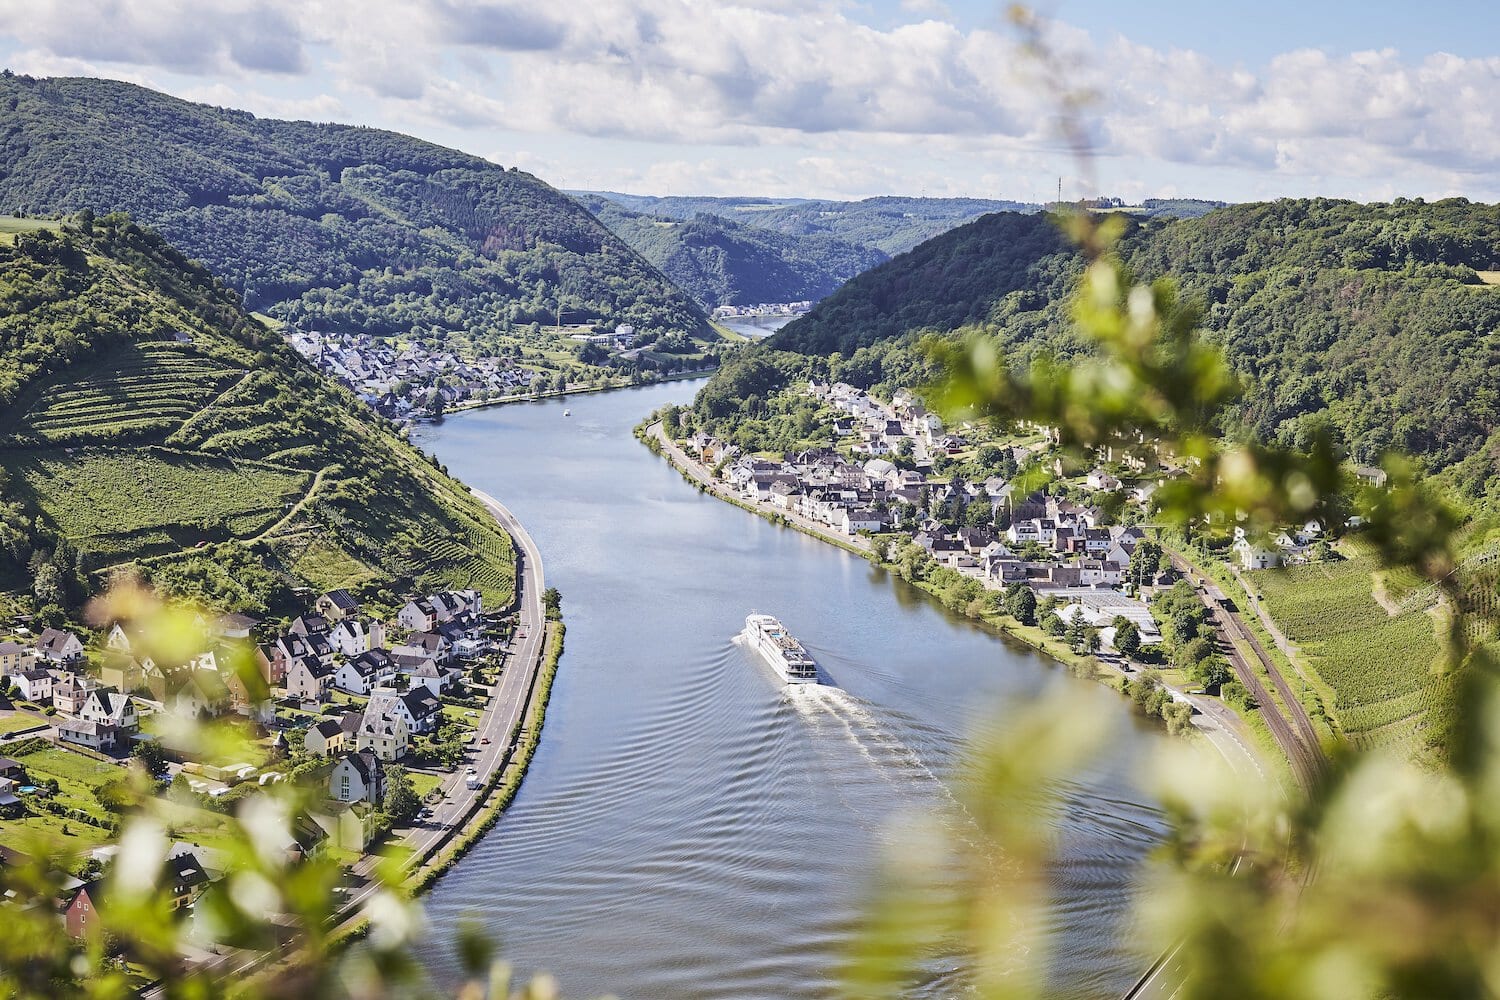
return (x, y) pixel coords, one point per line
(687, 829)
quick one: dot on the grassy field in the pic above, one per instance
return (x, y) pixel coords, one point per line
(424, 783)
(47, 833)
(17, 723)
(77, 776)
(10, 225)
(323, 565)
(117, 502)
(1380, 667)
(1489, 277)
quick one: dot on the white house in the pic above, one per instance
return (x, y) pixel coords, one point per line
(56, 646)
(859, 519)
(1253, 556)
(417, 615)
(365, 672)
(33, 685)
(351, 637)
(108, 706)
(430, 676)
(357, 777)
(1101, 480)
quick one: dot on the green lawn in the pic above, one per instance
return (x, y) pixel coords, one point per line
(424, 783)
(16, 723)
(458, 714)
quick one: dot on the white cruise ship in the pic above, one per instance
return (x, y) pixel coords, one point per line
(771, 639)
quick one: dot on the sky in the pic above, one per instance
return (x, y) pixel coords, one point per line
(843, 98)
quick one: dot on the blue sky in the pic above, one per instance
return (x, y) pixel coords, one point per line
(827, 98)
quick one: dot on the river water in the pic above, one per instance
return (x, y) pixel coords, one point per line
(687, 829)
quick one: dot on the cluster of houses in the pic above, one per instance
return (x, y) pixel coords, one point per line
(334, 648)
(878, 428)
(375, 370)
(762, 309)
(1051, 544)
(330, 648)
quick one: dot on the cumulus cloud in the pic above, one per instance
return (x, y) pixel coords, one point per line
(178, 35)
(806, 75)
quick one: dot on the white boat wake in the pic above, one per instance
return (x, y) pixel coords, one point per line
(894, 761)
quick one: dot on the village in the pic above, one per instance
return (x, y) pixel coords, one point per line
(377, 713)
(411, 382)
(1070, 545)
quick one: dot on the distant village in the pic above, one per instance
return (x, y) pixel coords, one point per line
(877, 481)
(411, 383)
(762, 309)
(336, 694)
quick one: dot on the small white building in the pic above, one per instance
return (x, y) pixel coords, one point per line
(357, 777)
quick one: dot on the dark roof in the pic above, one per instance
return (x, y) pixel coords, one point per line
(374, 659)
(236, 620)
(342, 599)
(53, 639)
(421, 702)
(366, 764)
(186, 871)
(328, 728)
(94, 890)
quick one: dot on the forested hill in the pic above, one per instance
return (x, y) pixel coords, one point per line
(721, 262)
(146, 418)
(336, 226)
(1374, 319)
(891, 225)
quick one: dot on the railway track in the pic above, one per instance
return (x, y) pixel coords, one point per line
(1291, 727)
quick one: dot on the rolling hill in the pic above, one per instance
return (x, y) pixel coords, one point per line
(330, 226)
(721, 262)
(891, 225)
(1374, 320)
(146, 418)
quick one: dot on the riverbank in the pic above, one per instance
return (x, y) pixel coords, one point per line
(533, 397)
(1225, 730)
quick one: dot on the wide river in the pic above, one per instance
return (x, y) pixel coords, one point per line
(687, 828)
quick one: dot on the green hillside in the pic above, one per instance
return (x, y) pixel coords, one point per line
(1369, 319)
(330, 226)
(721, 262)
(145, 417)
(891, 225)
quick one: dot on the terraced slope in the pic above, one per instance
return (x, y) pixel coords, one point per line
(145, 418)
(1380, 666)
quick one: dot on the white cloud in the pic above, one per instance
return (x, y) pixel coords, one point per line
(853, 105)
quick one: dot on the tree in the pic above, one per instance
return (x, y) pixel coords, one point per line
(401, 800)
(1127, 637)
(1020, 603)
(1145, 562)
(552, 603)
(151, 755)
